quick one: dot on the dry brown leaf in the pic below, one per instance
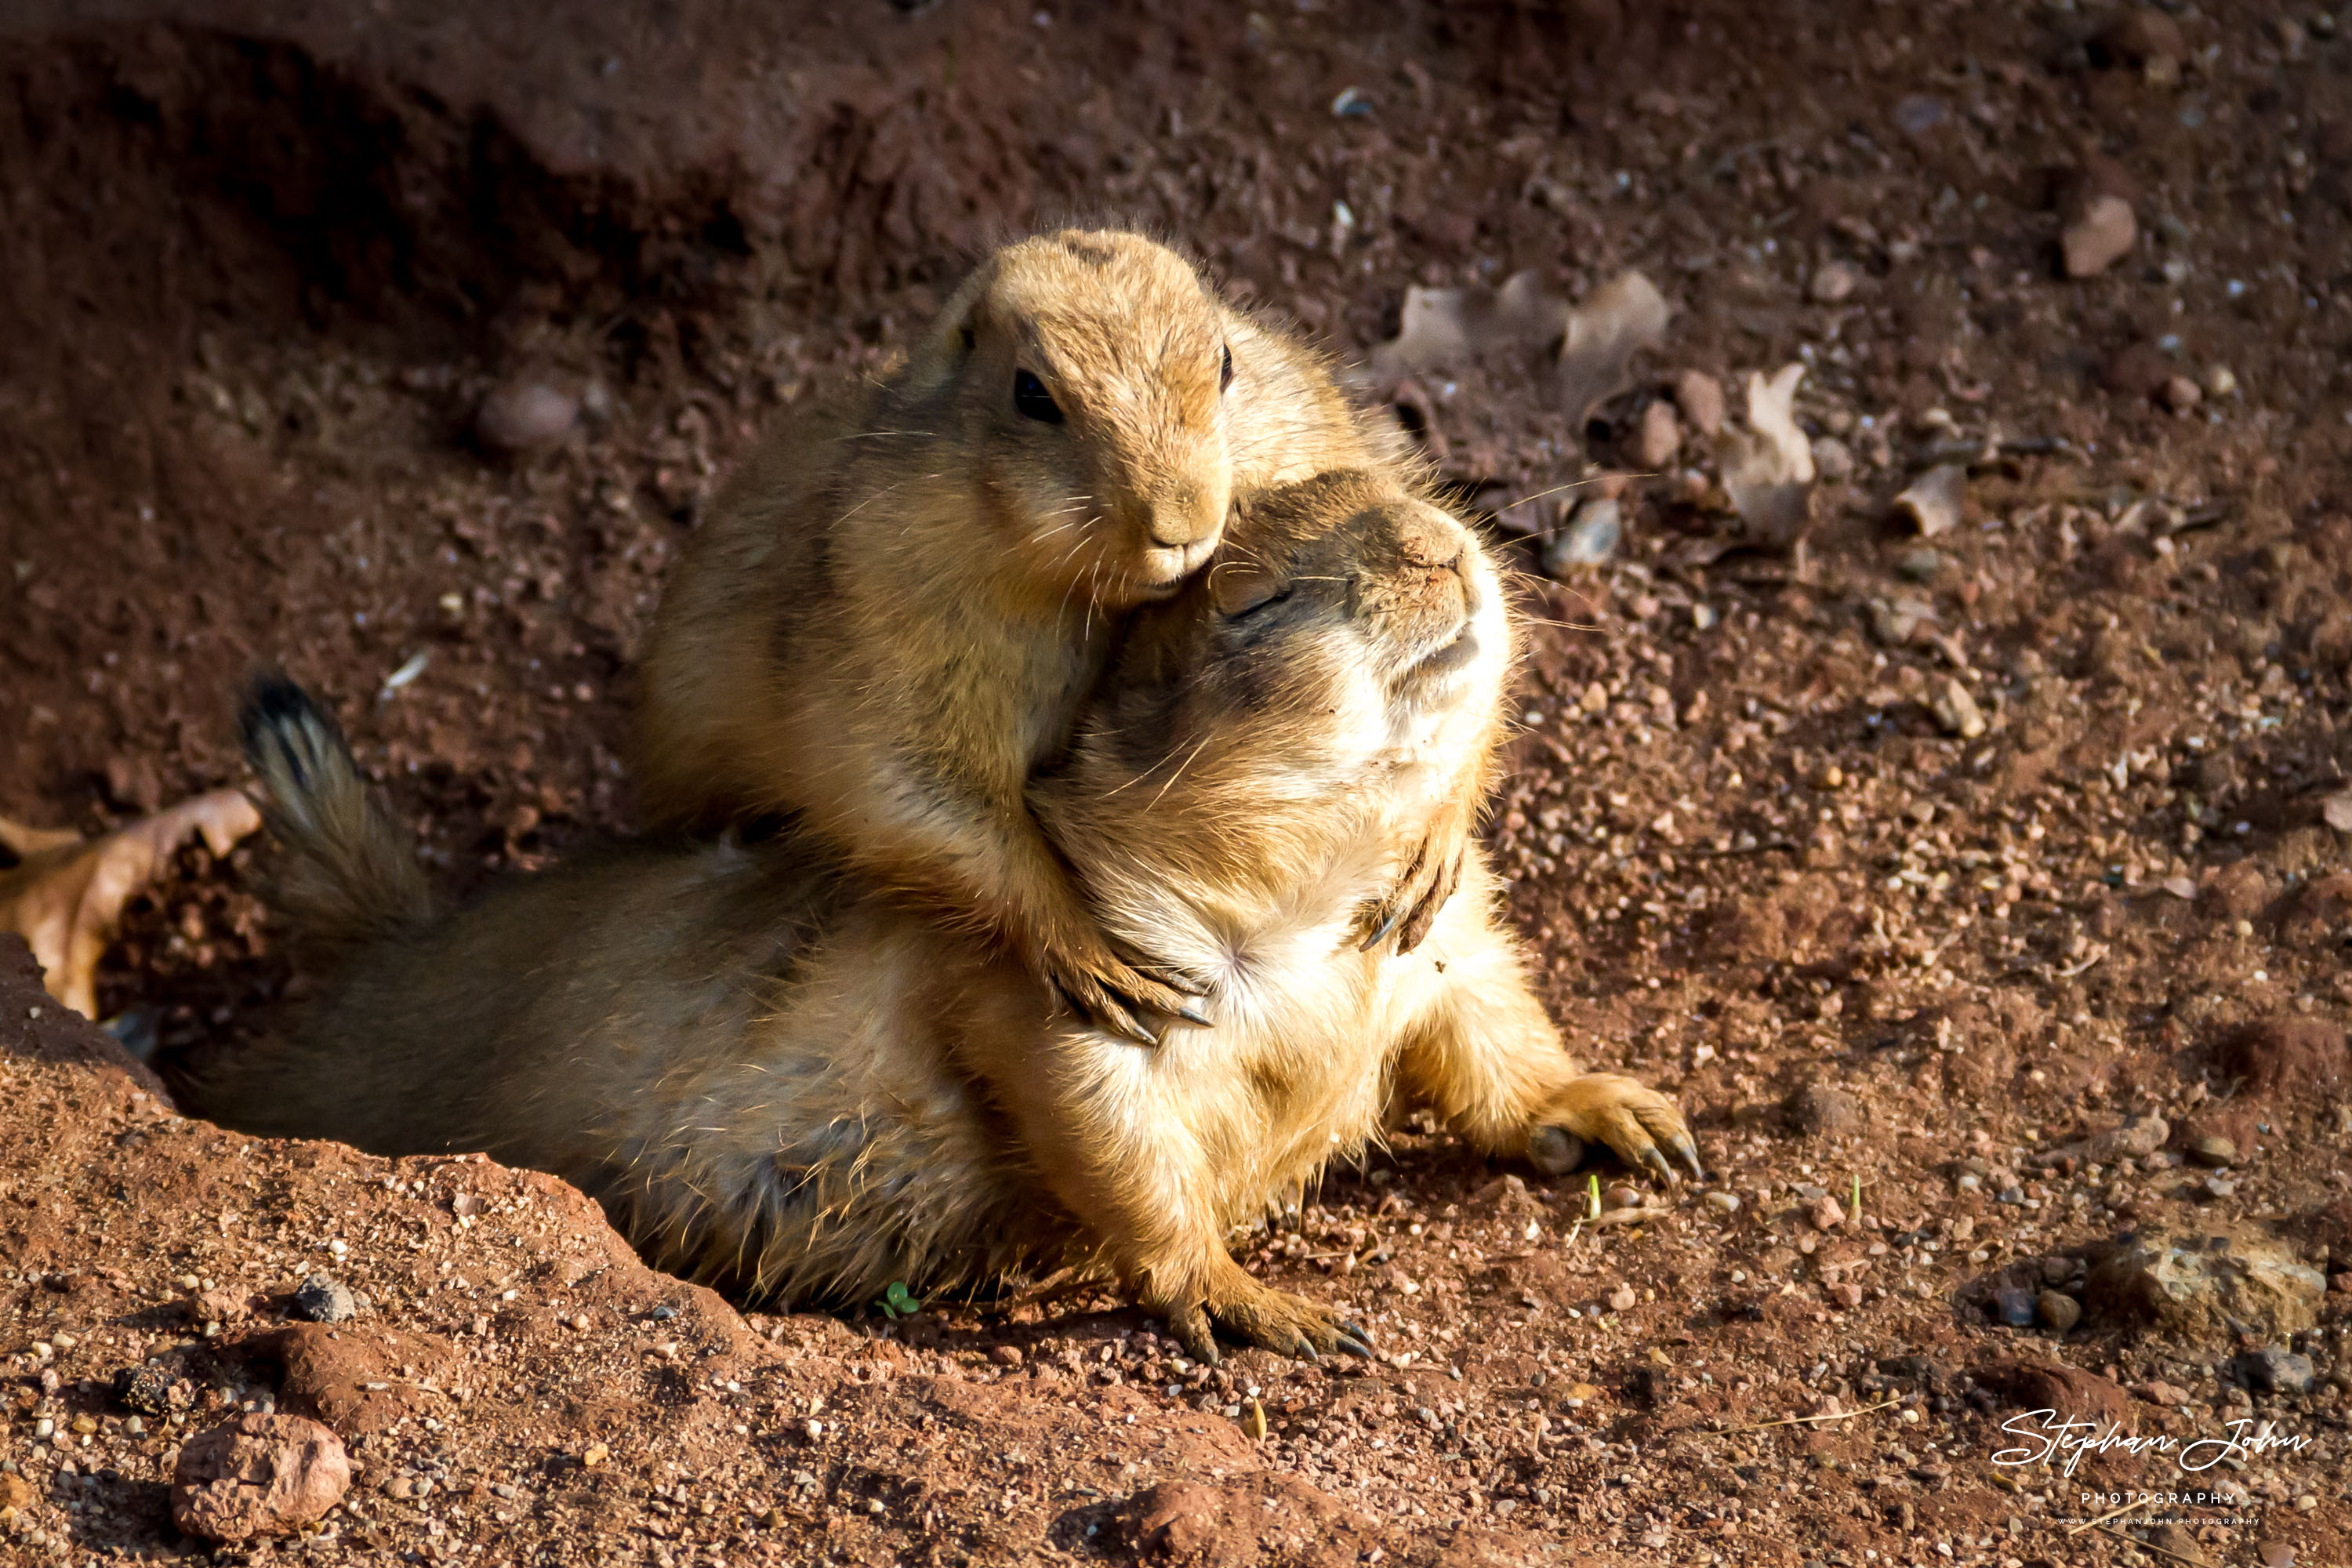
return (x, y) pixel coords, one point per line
(1768, 467)
(67, 896)
(1934, 499)
(1444, 326)
(1597, 340)
(1623, 317)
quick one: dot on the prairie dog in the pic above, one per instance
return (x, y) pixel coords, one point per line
(895, 610)
(781, 1080)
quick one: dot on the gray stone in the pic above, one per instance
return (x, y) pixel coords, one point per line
(2013, 1306)
(325, 1299)
(2273, 1370)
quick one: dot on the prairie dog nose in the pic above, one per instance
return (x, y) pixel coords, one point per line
(1180, 518)
(1429, 538)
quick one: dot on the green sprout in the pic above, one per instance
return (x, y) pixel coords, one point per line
(898, 1302)
(1592, 1196)
(1856, 1206)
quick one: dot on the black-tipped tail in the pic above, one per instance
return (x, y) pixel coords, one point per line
(352, 872)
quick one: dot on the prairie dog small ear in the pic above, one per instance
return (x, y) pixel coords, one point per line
(1237, 584)
(956, 333)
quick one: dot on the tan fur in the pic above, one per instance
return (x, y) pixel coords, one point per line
(890, 618)
(779, 1078)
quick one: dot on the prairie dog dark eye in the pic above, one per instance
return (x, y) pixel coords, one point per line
(1226, 375)
(1030, 396)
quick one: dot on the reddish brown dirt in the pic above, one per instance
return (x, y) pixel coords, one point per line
(264, 260)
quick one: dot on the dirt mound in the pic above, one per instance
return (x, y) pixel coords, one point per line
(514, 1361)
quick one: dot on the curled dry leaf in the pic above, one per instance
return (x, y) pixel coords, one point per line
(1596, 340)
(1768, 467)
(1624, 316)
(68, 894)
(1933, 502)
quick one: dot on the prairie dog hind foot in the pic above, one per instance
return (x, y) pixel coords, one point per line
(1233, 1304)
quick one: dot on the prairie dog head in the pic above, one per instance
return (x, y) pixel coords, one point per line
(1085, 373)
(1348, 637)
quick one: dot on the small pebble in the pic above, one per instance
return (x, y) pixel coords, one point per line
(1723, 1202)
(1622, 1196)
(2180, 395)
(2099, 237)
(1832, 281)
(2213, 1151)
(2218, 1187)
(1920, 565)
(1623, 1300)
(524, 415)
(2013, 1306)
(1658, 437)
(1826, 1214)
(2058, 1311)
(1700, 397)
(1956, 711)
(1591, 537)
(1832, 461)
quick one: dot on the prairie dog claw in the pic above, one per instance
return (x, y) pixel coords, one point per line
(1267, 1318)
(1641, 1125)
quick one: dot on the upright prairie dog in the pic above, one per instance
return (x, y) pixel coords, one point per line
(890, 618)
(785, 1080)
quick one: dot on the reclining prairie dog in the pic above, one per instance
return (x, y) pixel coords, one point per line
(782, 1080)
(892, 614)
